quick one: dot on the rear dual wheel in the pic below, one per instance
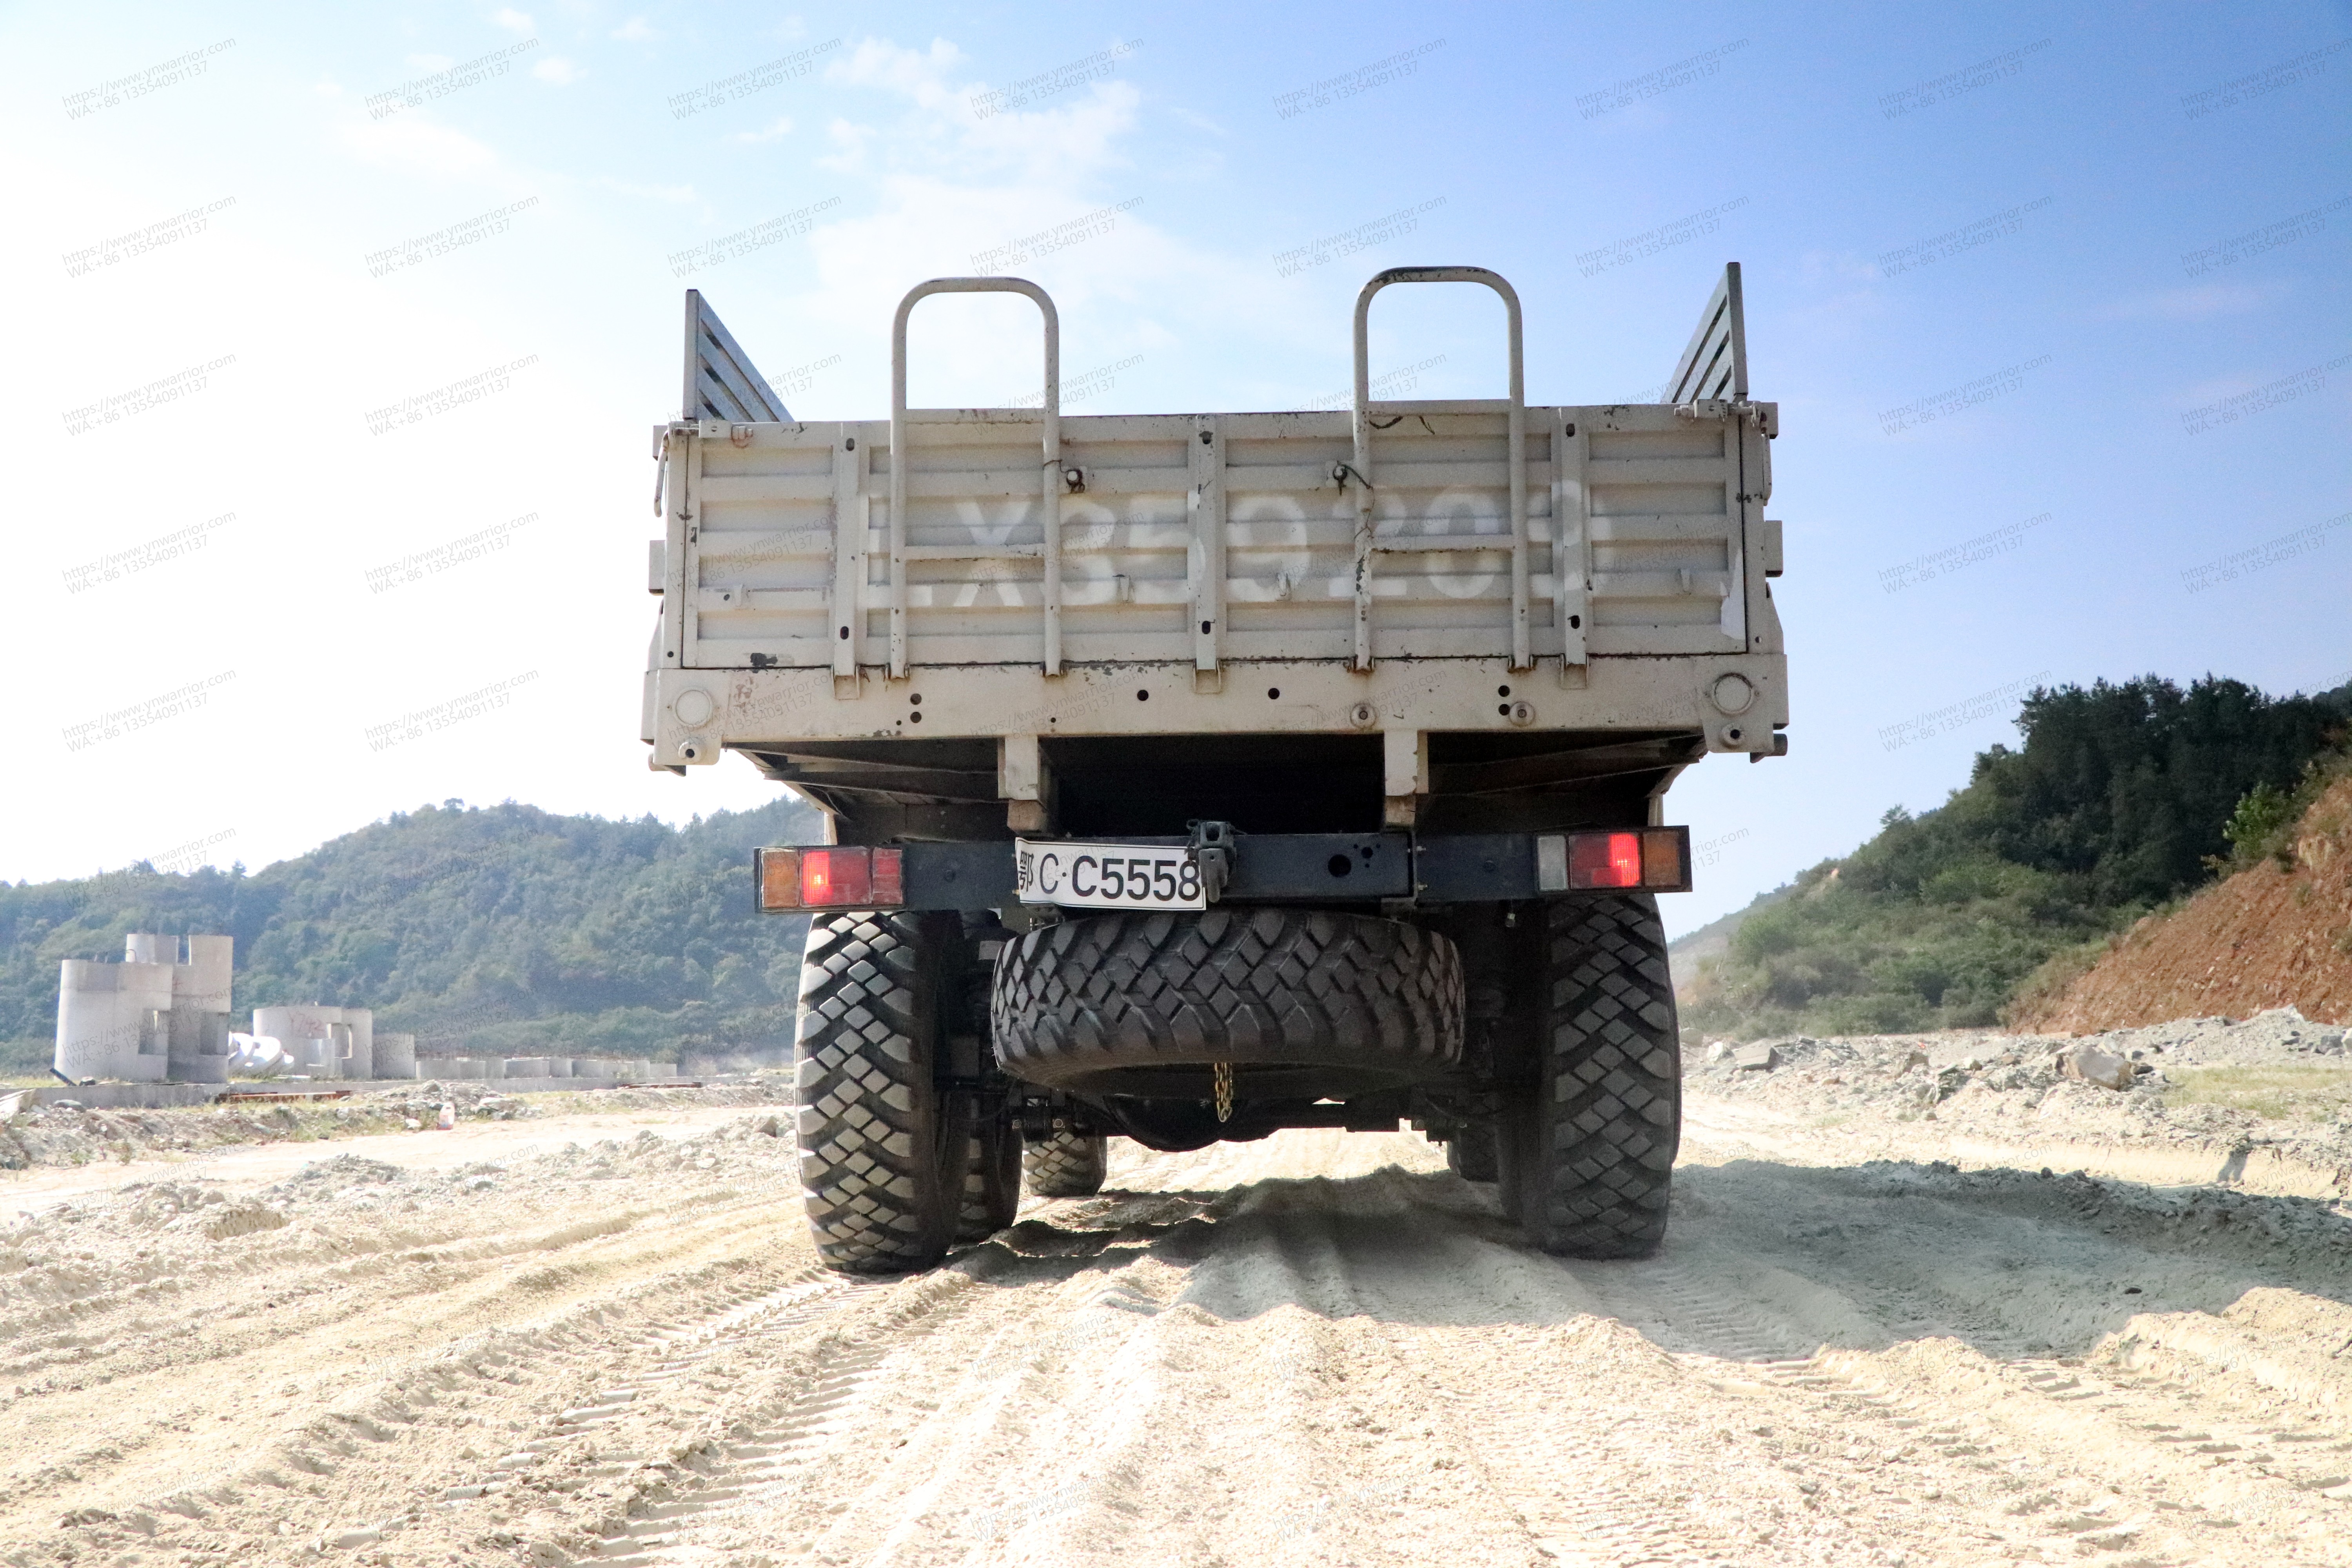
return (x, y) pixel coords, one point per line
(895, 1167)
(1586, 1158)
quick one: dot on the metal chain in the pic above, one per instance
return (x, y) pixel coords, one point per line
(1221, 1075)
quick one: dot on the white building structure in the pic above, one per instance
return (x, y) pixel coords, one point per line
(324, 1042)
(159, 1015)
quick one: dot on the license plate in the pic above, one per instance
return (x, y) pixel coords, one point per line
(1107, 875)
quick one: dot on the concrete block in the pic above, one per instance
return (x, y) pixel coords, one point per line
(395, 1056)
(198, 1050)
(359, 1042)
(526, 1067)
(1755, 1059)
(203, 982)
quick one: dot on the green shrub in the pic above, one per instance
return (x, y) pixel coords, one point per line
(2120, 797)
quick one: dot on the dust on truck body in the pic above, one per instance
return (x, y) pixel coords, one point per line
(1195, 775)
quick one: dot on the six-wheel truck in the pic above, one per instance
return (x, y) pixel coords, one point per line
(1190, 776)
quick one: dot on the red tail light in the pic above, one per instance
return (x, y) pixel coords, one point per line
(1656, 860)
(844, 876)
(1604, 861)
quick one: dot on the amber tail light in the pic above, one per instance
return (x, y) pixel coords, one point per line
(837, 877)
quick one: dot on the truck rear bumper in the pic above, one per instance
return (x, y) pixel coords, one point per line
(1312, 868)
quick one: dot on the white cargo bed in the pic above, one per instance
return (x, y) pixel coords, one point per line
(1217, 572)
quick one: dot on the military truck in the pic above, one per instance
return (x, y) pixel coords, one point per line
(1190, 776)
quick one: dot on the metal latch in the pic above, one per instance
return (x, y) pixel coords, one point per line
(1217, 848)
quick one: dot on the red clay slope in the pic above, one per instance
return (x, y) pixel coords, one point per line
(2262, 938)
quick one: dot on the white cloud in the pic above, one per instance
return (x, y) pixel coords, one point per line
(653, 193)
(431, 62)
(559, 71)
(1066, 143)
(513, 21)
(921, 77)
(849, 141)
(948, 187)
(637, 30)
(412, 144)
(780, 129)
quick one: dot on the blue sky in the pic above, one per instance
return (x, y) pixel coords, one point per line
(2109, 250)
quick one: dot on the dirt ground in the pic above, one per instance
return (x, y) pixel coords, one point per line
(557, 1340)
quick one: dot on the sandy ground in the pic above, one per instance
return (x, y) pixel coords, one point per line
(1317, 1349)
(242, 1168)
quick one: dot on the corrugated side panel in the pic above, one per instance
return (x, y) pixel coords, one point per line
(1656, 525)
(1665, 546)
(1291, 527)
(759, 564)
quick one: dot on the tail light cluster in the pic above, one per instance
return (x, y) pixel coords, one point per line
(841, 877)
(1652, 859)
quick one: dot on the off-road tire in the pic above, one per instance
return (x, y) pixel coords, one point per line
(1470, 1153)
(1064, 1164)
(1278, 986)
(991, 1181)
(880, 1192)
(1589, 1156)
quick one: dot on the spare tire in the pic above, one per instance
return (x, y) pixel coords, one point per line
(1300, 1002)
(1065, 1164)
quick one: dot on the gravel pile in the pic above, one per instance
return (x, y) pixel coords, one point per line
(2037, 1086)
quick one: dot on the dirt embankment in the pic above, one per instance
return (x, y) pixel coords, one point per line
(2267, 937)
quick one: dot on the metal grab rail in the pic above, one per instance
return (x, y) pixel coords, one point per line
(1521, 655)
(1051, 478)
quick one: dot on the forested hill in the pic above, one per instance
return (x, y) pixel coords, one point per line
(505, 930)
(2120, 798)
